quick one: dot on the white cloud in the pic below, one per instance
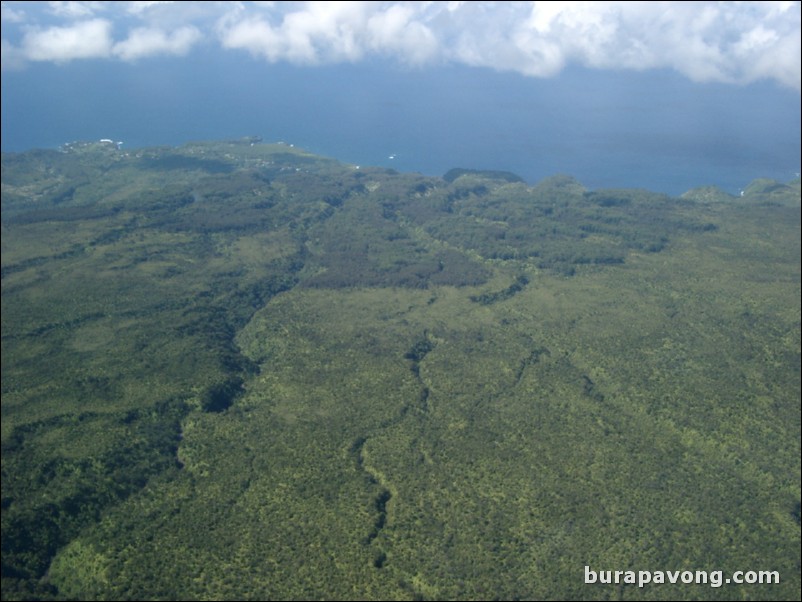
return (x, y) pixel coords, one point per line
(137, 8)
(143, 42)
(395, 31)
(735, 42)
(256, 36)
(83, 40)
(725, 42)
(330, 32)
(323, 32)
(763, 53)
(75, 10)
(170, 15)
(11, 15)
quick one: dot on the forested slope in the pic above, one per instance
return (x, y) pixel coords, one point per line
(236, 370)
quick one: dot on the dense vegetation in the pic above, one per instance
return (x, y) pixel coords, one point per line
(239, 371)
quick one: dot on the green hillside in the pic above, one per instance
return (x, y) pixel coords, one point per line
(235, 370)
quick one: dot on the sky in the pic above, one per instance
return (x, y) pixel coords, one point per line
(662, 95)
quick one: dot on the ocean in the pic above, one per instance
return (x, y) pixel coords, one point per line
(654, 130)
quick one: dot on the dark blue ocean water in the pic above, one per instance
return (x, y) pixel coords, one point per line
(654, 130)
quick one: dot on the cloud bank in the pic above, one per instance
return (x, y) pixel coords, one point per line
(730, 42)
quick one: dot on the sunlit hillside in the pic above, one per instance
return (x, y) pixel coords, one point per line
(236, 370)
